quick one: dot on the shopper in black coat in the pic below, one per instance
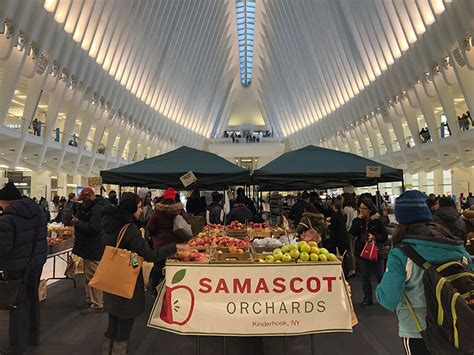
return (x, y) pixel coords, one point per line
(22, 228)
(122, 311)
(303, 205)
(338, 235)
(89, 245)
(448, 217)
(240, 212)
(368, 226)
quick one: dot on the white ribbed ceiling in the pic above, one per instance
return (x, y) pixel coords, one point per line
(311, 57)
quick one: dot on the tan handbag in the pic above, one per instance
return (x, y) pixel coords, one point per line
(118, 270)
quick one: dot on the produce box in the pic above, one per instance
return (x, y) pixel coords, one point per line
(234, 250)
(231, 258)
(236, 233)
(63, 245)
(260, 233)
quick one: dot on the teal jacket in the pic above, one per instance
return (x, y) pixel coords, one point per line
(403, 275)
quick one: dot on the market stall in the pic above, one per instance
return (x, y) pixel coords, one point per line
(211, 171)
(316, 167)
(272, 286)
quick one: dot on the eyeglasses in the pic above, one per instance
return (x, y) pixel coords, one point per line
(363, 208)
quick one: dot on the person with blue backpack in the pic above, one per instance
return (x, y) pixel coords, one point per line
(428, 282)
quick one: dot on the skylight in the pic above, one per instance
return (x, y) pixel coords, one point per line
(245, 34)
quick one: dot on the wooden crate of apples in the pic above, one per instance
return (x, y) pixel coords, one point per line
(301, 252)
(236, 229)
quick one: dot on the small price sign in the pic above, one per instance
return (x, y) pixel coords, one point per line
(188, 179)
(373, 171)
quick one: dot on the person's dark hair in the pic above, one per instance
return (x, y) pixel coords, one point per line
(129, 203)
(370, 205)
(240, 199)
(195, 194)
(446, 202)
(126, 195)
(240, 191)
(337, 204)
(404, 230)
(431, 202)
(305, 195)
(349, 200)
(71, 196)
(113, 192)
(216, 196)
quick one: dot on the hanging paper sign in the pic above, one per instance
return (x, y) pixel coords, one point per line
(373, 171)
(188, 179)
(253, 299)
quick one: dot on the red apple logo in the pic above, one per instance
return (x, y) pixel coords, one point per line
(178, 302)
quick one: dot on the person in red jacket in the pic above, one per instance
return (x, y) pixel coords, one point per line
(160, 228)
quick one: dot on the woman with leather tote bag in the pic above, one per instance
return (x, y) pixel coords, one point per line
(122, 311)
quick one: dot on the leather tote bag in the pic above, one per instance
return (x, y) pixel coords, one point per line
(310, 233)
(118, 269)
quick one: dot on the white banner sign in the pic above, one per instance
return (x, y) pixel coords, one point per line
(252, 300)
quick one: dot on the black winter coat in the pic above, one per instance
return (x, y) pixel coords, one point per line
(239, 213)
(21, 224)
(360, 230)
(448, 217)
(88, 243)
(297, 211)
(339, 236)
(112, 222)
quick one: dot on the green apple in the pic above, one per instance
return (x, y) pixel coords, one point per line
(314, 250)
(313, 257)
(332, 257)
(312, 243)
(293, 247)
(323, 257)
(285, 249)
(286, 258)
(277, 250)
(305, 248)
(269, 259)
(300, 244)
(278, 255)
(294, 253)
(304, 256)
(323, 251)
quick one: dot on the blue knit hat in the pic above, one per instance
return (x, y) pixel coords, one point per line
(411, 207)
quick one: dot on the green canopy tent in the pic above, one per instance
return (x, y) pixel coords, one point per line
(315, 167)
(212, 172)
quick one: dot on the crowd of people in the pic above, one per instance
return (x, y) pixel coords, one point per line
(343, 224)
(250, 136)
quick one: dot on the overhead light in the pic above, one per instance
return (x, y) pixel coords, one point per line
(446, 62)
(468, 42)
(8, 29)
(54, 69)
(21, 41)
(33, 52)
(418, 81)
(427, 76)
(436, 69)
(404, 94)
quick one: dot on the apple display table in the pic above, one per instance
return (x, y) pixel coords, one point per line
(252, 300)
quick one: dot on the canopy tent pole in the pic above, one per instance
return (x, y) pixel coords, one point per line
(120, 192)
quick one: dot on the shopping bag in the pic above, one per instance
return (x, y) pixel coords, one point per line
(118, 270)
(75, 265)
(43, 290)
(310, 234)
(369, 252)
(146, 271)
(182, 228)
